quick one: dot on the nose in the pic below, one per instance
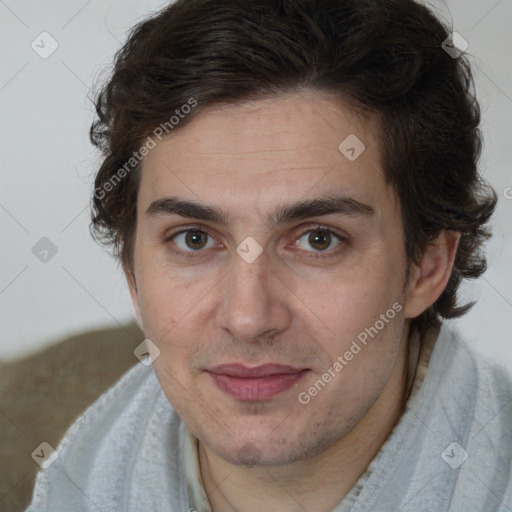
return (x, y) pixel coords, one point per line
(254, 303)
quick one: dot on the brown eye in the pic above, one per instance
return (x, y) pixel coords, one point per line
(320, 240)
(196, 239)
(192, 240)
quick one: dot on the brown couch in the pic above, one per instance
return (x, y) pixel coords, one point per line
(41, 395)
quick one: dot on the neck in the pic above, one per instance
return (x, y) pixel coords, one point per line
(318, 484)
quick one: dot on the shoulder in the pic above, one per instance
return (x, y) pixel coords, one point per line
(451, 449)
(471, 422)
(95, 455)
(468, 369)
(461, 377)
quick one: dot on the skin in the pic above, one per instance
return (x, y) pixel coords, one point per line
(287, 306)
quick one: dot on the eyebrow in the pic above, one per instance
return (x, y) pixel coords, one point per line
(328, 205)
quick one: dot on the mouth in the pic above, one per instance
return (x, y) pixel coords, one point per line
(257, 383)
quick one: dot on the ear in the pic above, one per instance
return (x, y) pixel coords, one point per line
(132, 286)
(431, 276)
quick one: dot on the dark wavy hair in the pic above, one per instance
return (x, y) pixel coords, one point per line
(382, 56)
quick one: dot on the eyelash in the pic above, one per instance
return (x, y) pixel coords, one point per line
(315, 228)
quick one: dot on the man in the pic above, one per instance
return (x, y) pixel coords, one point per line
(292, 190)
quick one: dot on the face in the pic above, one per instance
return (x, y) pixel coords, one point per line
(263, 257)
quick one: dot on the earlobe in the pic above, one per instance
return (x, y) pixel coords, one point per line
(432, 274)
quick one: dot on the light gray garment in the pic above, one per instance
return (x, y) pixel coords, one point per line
(126, 452)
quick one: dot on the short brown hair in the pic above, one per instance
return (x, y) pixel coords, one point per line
(385, 56)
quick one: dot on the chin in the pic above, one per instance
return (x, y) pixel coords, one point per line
(271, 447)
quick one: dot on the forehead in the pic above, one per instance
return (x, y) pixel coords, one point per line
(277, 150)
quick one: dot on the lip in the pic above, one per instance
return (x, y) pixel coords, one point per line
(256, 383)
(264, 370)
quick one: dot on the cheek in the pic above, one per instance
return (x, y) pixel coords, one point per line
(347, 305)
(174, 317)
(161, 308)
